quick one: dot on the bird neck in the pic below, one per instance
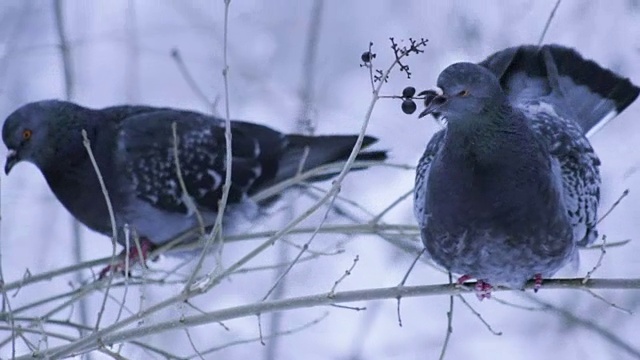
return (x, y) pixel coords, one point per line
(479, 138)
(67, 149)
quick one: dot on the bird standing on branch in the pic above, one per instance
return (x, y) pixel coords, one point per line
(135, 148)
(511, 187)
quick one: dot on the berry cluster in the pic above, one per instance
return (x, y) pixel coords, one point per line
(408, 105)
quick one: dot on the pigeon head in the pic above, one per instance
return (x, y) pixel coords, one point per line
(467, 89)
(36, 132)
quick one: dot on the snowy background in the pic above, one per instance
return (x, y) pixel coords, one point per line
(121, 53)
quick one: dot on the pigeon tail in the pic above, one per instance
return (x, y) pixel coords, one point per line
(304, 153)
(580, 88)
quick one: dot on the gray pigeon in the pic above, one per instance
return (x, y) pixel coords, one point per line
(509, 189)
(134, 150)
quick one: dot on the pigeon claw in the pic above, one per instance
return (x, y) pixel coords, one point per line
(483, 290)
(462, 279)
(537, 282)
(134, 256)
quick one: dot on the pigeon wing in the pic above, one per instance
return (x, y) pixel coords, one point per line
(579, 167)
(149, 149)
(422, 177)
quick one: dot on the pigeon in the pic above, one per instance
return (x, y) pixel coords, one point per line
(134, 150)
(509, 189)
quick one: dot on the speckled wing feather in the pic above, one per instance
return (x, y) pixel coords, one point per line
(422, 177)
(147, 150)
(579, 165)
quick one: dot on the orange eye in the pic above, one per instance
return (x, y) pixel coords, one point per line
(26, 134)
(463, 93)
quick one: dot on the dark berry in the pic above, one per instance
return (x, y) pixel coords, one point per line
(408, 92)
(367, 56)
(408, 106)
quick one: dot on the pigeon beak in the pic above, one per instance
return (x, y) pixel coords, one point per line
(12, 159)
(433, 105)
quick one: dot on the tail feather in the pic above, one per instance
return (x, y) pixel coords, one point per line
(304, 153)
(578, 87)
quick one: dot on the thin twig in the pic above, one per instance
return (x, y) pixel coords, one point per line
(132, 67)
(479, 316)
(344, 276)
(270, 336)
(112, 219)
(613, 206)
(449, 331)
(305, 125)
(216, 233)
(404, 280)
(603, 252)
(310, 251)
(318, 171)
(246, 270)
(589, 325)
(186, 198)
(601, 298)
(127, 243)
(395, 203)
(300, 253)
(305, 121)
(514, 305)
(354, 308)
(191, 81)
(193, 345)
(609, 245)
(549, 19)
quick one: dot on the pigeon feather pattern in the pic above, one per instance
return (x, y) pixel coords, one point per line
(509, 189)
(134, 147)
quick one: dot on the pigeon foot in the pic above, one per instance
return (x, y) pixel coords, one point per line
(483, 290)
(537, 282)
(461, 280)
(134, 256)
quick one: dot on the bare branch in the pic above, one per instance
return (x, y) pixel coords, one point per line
(112, 218)
(479, 316)
(603, 252)
(449, 331)
(110, 335)
(216, 233)
(549, 19)
(186, 74)
(344, 276)
(589, 325)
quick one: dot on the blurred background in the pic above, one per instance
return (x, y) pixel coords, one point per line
(292, 60)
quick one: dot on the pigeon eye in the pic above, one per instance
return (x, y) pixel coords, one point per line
(463, 93)
(26, 134)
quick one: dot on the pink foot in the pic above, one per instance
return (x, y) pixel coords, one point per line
(463, 278)
(537, 282)
(134, 257)
(483, 290)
